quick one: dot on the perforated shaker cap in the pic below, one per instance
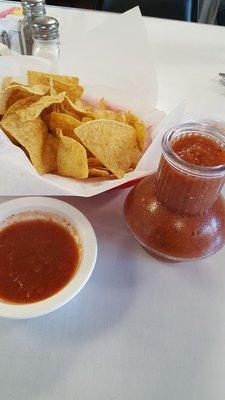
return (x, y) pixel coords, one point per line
(33, 8)
(45, 28)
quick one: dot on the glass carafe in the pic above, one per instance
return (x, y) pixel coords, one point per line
(178, 213)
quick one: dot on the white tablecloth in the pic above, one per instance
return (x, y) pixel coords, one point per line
(140, 329)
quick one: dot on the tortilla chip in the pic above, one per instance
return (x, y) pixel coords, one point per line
(140, 128)
(66, 112)
(36, 78)
(19, 104)
(11, 138)
(34, 110)
(85, 140)
(94, 162)
(72, 91)
(58, 132)
(16, 96)
(105, 114)
(102, 113)
(82, 106)
(52, 90)
(131, 169)
(71, 158)
(77, 109)
(112, 143)
(95, 172)
(121, 117)
(55, 107)
(64, 122)
(86, 119)
(49, 156)
(34, 137)
(14, 93)
(101, 104)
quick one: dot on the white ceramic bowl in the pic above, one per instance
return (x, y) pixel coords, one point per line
(89, 254)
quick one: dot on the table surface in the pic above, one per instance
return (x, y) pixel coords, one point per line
(140, 329)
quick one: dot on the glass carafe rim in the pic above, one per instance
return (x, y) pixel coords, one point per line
(184, 166)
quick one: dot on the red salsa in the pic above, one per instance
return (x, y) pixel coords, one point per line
(179, 215)
(185, 193)
(37, 259)
(199, 150)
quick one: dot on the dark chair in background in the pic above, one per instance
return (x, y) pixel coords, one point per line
(173, 9)
(186, 10)
(89, 4)
(221, 13)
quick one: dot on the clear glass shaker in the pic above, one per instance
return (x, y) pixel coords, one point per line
(31, 9)
(45, 32)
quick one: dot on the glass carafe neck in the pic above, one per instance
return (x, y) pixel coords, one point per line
(185, 193)
(184, 187)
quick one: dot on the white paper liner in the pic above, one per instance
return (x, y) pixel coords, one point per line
(114, 61)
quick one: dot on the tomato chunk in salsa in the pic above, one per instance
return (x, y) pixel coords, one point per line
(37, 259)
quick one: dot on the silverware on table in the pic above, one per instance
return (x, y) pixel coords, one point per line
(222, 76)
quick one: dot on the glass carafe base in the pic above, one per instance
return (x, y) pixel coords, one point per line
(167, 235)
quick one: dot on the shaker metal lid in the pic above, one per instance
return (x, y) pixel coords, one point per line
(33, 8)
(45, 28)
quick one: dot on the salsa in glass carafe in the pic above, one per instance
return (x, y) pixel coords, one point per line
(178, 213)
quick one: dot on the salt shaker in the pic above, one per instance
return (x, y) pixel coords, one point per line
(46, 38)
(31, 9)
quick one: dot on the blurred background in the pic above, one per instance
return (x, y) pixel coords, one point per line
(204, 11)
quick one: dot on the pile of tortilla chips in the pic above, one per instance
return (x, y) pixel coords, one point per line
(65, 135)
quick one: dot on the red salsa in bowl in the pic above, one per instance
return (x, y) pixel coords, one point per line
(48, 250)
(38, 257)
